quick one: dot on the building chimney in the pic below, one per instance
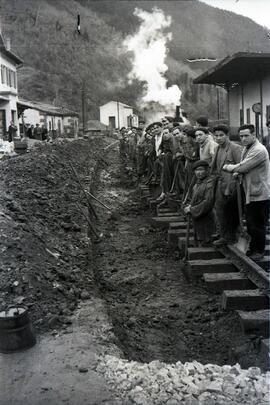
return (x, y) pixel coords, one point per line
(177, 113)
(8, 44)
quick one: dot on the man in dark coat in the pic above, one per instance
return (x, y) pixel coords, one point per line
(226, 196)
(201, 205)
(12, 129)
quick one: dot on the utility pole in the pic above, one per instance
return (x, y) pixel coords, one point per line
(83, 106)
(118, 117)
(218, 104)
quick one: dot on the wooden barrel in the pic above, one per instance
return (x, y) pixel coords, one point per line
(20, 146)
(15, 330)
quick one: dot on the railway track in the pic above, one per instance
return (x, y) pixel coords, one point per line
(243, 285)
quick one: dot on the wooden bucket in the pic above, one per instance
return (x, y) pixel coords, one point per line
(15, 330)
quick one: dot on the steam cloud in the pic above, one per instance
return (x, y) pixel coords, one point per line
(149, 47)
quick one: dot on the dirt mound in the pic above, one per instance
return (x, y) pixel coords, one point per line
(44, 243)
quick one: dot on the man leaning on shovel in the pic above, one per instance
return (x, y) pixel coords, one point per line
(253, 170)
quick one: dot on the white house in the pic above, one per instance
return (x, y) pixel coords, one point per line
(246, 77)
(55, 119)
(117, 115)
(9, 63)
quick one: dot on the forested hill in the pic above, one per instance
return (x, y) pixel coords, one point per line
(58, 61)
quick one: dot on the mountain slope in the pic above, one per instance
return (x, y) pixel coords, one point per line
(58, 62)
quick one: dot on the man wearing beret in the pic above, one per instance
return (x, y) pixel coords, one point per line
(226, 196)
(254, 171)
(201, 204)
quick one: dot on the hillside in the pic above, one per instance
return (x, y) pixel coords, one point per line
(58, 62)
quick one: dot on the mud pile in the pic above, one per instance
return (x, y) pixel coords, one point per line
(44, 244)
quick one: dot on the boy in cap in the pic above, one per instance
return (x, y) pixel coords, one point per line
(201, 204)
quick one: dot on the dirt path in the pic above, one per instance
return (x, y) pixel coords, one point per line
(156, 314)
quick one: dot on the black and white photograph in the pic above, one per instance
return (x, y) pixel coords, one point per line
(134, 202)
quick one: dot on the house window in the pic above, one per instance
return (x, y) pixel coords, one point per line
(241, 117)
(248, 115)
(2, 75)
(8, 77)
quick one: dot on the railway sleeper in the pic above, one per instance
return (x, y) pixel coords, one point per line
(198, 253)
(249, 300)
(255, 321)
(163, 222)
(218, 282)
(196, 268)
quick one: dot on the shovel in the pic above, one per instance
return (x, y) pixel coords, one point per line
(244, 239)
(183, 264)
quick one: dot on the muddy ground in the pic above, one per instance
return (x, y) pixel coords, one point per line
(156, 313)
(124, 296)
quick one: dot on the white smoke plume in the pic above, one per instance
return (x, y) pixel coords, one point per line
(149, 47)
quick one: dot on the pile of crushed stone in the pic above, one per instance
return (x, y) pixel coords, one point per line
(193, 383)
(45, 246)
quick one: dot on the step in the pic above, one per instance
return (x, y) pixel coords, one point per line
(265, 353)
(198, 267)
(249, 300)
(163, 210)
(167, 214)
(174, 234)
(196, 253)
(227, 281)
(255, 321)
(178, 225)
(163, 222)
(181, 243)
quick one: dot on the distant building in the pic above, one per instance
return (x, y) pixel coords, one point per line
(9, 63)
(60, 121)
(117, 115)
(246, 77)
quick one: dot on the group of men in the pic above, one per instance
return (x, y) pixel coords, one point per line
(210, 176)
(30, 131)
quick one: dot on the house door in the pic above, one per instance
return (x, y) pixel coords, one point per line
(2, 124)
(59, 127)
(112, 122)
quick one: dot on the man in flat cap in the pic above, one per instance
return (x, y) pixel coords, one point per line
(201, 204)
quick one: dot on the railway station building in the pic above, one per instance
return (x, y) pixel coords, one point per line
(246, 78)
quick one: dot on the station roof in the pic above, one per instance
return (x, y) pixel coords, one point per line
(46, 108)
(241, 67)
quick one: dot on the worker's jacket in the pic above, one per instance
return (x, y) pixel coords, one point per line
(231, 155)
(254, 166)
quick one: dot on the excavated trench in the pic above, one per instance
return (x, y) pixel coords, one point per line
(155, 312)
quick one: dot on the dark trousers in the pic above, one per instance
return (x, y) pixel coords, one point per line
(257, 213)
(227, 214)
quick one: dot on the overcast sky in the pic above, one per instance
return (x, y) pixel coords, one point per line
(257, 10)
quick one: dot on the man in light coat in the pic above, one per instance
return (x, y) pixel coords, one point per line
(254, 169)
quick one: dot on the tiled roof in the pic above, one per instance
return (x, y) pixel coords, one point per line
(47, 108)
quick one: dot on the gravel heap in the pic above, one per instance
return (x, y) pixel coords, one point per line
(189, 383)
(44, 245)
